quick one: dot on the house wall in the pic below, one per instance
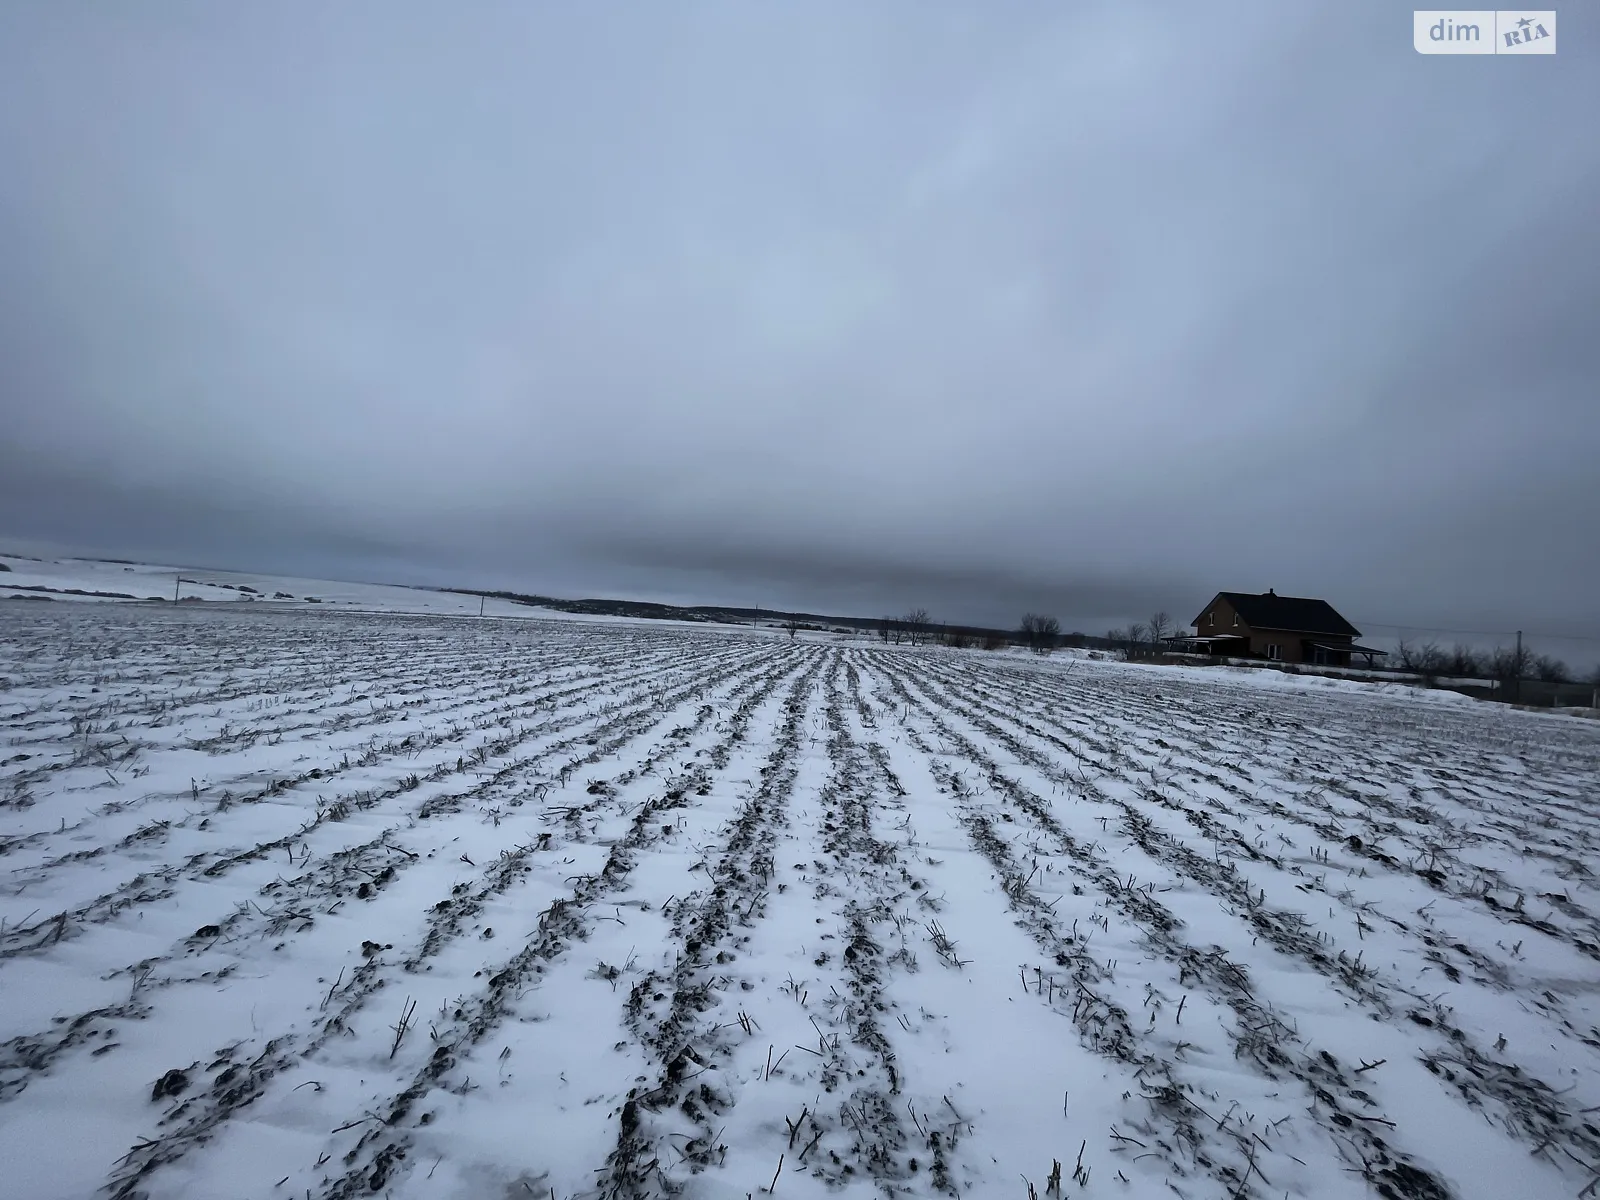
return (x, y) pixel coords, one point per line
(1292, 645)
(1224, 624)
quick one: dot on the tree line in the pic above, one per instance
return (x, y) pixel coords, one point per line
(1146, 639)
(1036, 631)
(1143, 639)
(1503, 662)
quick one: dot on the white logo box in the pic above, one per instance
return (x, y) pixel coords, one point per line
(1484, 31)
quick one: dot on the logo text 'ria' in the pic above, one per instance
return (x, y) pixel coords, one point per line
(1527, 30)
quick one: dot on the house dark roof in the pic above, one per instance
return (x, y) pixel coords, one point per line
(1298, 614)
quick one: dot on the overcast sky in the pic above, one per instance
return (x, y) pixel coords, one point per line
(1090, 308)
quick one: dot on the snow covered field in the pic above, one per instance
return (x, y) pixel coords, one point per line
(307, 903)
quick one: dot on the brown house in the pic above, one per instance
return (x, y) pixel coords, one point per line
(1293, 629)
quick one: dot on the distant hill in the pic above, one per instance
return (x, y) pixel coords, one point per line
(718, 614)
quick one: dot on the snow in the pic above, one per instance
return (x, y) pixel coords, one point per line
(423, 905)
(146, 581)
(110, 581)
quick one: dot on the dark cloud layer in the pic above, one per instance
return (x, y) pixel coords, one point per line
(1096, 308)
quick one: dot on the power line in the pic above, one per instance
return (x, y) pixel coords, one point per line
(1532, 633)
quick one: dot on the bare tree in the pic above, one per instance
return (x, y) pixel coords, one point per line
(1551, 670)
(918, 624)
(1425, 658)
(1049, 631)
(1432, 659)
(794, 626)
(1039, 633)
(1160, 626)
(1507, 664)
(1463, 661)
(1405, 655)
(1137, 633)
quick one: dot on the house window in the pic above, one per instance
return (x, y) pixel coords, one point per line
(1211, 618)
(1274, 651)
(1236, 620)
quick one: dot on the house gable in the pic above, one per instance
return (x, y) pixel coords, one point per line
(1219, 618)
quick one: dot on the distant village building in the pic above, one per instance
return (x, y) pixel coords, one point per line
(1291, 629)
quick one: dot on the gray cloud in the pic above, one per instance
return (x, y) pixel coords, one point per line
(846, 305)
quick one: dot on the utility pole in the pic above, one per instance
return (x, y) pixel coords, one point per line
(481, 599)
(175, 584)
(1519, 666)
